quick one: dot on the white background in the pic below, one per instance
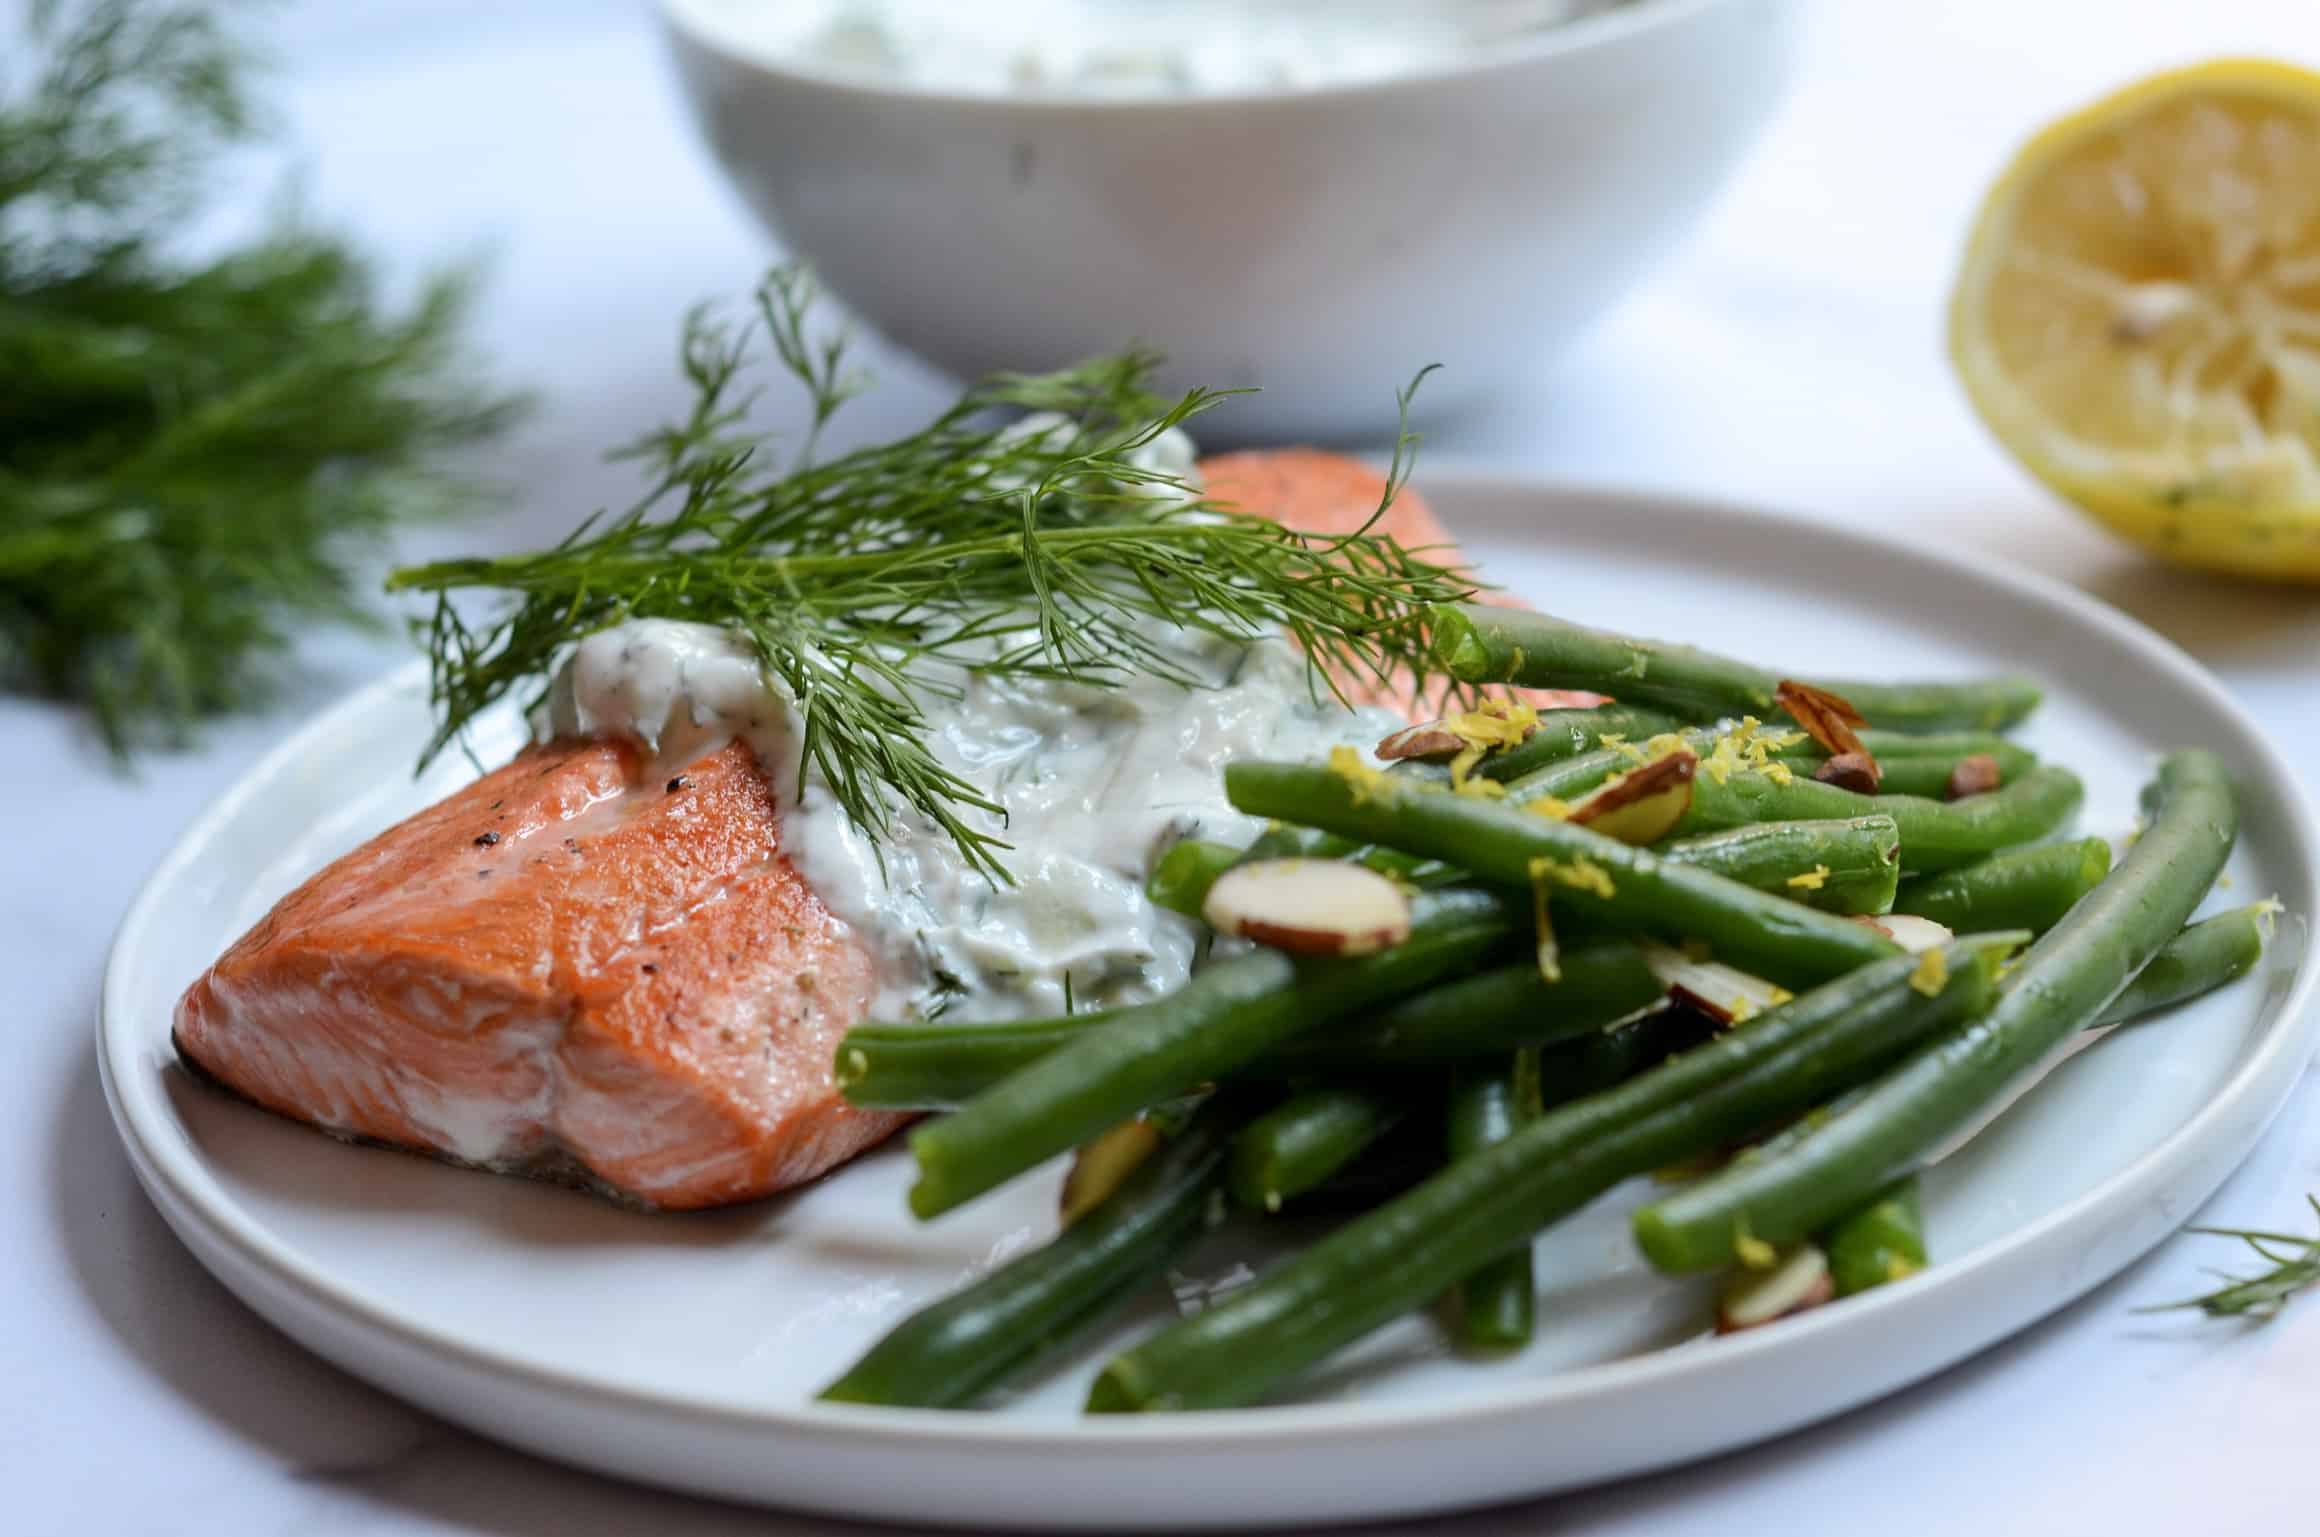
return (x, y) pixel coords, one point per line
(1789, 354)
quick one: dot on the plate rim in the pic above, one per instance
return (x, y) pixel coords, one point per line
(192, 1189)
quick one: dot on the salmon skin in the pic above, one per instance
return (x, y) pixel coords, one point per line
(592, 967)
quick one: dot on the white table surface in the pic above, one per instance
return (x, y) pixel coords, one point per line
(1789, 354)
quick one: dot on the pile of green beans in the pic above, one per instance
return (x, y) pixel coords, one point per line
(1445, 1102)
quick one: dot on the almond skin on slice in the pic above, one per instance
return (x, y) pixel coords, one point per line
(1723, 993)
(1829, 720)
(1430, 741)
(1643, 805)
(1309, 906)
(1977, 774)
(1855, 771)
(1911, 933)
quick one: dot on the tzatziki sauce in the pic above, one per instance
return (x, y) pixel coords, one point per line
(1128, 48)
(1095, 783)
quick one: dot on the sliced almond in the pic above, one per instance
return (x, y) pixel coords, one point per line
(1643, 805)
(1103, 1163)
(1430, 741)
(1309, 906)
(1855, 771)
(1976, 774)
(1827, 718)
(1914, 934)
(1796, 1281)
(1723, 993)
(1830, 719)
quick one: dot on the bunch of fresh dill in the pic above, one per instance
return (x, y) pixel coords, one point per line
(193, 456)
(866, 579)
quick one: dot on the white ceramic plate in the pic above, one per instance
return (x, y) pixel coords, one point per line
(686, 1350)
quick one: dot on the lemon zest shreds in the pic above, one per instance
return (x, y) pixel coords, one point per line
(1368, 781)
(1494, 723)
(1615, 740)
(1749, 745)
(2268, 917)
(1781, 995)
(1751, 1250)
(1581, 874)
(1811, 880)
(1550, 952)
(1931, 975)
(1489, 726)
(1548, 807)
(1480, 789)
(1744, 1009)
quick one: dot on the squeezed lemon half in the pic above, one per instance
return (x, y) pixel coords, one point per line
(2138, 315)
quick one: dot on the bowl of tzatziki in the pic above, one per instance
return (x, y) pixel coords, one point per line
(1311, 197)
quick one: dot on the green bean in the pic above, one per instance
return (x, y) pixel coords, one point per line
(1498, 1300)
(950, 1353)
(1883, 1241)
(1304, 1140)
(1912, 764)
(1927, 778)
(2202, 958)
(1935, 835)
(1850, 866)
(1594, 877)
(1479, 644)
(1181, 877)
(1233, 1011)
(2028, 888)
(1403, 1254)
(1565, 734)
(1604, 1059)
(1483, 1016)
(1387, 1168)
(2064, 983)
(939, 1066)
(934, 1065)
(1858, 861)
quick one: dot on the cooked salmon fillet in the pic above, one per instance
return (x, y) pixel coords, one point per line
(582, 967)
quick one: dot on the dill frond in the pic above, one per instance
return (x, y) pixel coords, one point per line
(2292, 1266)
(193, 458)
(863, 579)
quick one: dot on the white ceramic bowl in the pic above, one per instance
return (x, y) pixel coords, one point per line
(1323, 244)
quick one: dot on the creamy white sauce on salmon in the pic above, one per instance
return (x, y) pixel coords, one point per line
(1095, 784)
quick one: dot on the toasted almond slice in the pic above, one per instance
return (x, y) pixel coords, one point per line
(1309, 906)
(1829, 719)
(1103, 1163)
(1643, 805)
(1914, 934)
(1976, 774)
(1855, 771)
(1798, 1280)
(1431, 741)
(1723, 993)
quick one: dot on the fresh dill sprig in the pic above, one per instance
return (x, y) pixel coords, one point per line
(967, 546)
(2295, 1268)
(193, 457)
